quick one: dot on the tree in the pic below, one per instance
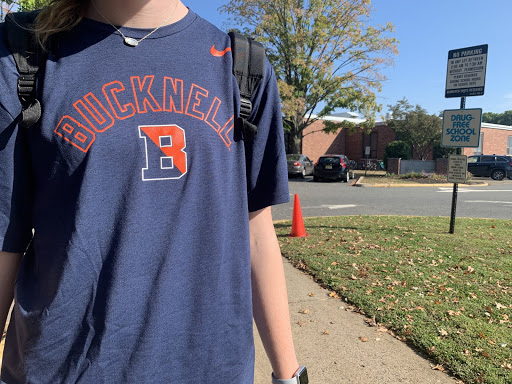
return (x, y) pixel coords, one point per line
(416, 127)
(324, 54)
(440, 152)
(20, 5)
(396, 150)
(504, 118)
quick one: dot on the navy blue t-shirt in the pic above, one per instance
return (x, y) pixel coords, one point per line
(131, 200)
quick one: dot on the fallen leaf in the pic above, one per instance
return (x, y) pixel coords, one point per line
(438, 367)
(304, 311)
(311, 294)
(326, 332)
(364, 339)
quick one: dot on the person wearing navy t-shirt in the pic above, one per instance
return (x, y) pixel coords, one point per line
(147, 241)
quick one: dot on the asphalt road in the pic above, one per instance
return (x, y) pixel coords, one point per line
(338, 198)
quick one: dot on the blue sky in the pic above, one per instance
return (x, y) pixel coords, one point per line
(427, 30)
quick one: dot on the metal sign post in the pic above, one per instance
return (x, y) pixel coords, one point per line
(456, 185)
(465, 76)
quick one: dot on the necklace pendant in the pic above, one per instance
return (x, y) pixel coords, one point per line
(131, 41)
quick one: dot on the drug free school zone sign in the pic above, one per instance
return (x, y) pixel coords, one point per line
(461, 127)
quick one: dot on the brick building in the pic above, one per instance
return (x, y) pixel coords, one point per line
(494, 139)
(345, 141)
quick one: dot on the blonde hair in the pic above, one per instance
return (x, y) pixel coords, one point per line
(58, 16)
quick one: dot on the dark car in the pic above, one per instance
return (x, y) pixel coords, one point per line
(333, 167)
(497, 167)
(299, 165)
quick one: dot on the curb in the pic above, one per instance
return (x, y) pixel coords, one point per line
(360, 183)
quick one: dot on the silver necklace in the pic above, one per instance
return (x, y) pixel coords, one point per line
(130, 41)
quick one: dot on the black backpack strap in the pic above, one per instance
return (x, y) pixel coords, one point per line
(248, 68)
(29, 57)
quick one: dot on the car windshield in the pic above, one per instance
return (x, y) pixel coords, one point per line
(293, 157)
(329, 160)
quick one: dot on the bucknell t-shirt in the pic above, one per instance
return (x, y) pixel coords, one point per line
(130, 198)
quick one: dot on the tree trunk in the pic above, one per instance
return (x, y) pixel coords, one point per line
(294, 135)
(296, 142)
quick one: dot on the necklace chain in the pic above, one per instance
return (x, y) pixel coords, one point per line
(130, 41)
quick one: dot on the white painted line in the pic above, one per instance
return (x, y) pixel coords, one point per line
(341, 206)
(488, 201)
(331, 206)
(464, 190)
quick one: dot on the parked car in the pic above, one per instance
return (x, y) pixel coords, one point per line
(334, 167)
(497, 167)
(299, 165)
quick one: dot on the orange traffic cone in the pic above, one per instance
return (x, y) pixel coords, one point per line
(298, 229)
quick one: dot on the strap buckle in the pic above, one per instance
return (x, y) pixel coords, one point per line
(26, 88)
(245, 108)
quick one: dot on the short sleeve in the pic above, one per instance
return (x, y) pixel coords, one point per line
(267, 175)
(15, 176)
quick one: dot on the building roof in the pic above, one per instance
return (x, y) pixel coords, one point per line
(354, 118)
(497, 126)
(345, 116)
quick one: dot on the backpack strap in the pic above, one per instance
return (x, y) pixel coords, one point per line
(248, 68)
(29, 57)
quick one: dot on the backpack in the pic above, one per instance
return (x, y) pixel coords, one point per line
(248, 68)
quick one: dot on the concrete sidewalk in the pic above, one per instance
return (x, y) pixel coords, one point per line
(338, 346)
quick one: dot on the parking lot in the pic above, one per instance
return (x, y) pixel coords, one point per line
(491, 199)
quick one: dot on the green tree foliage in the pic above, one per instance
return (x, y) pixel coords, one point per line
(443, 152)
(397, 150)
(20, 5)
(416, 127)
(324, 52)
(504, 118)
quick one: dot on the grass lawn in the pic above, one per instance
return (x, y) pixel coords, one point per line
(447, 295)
